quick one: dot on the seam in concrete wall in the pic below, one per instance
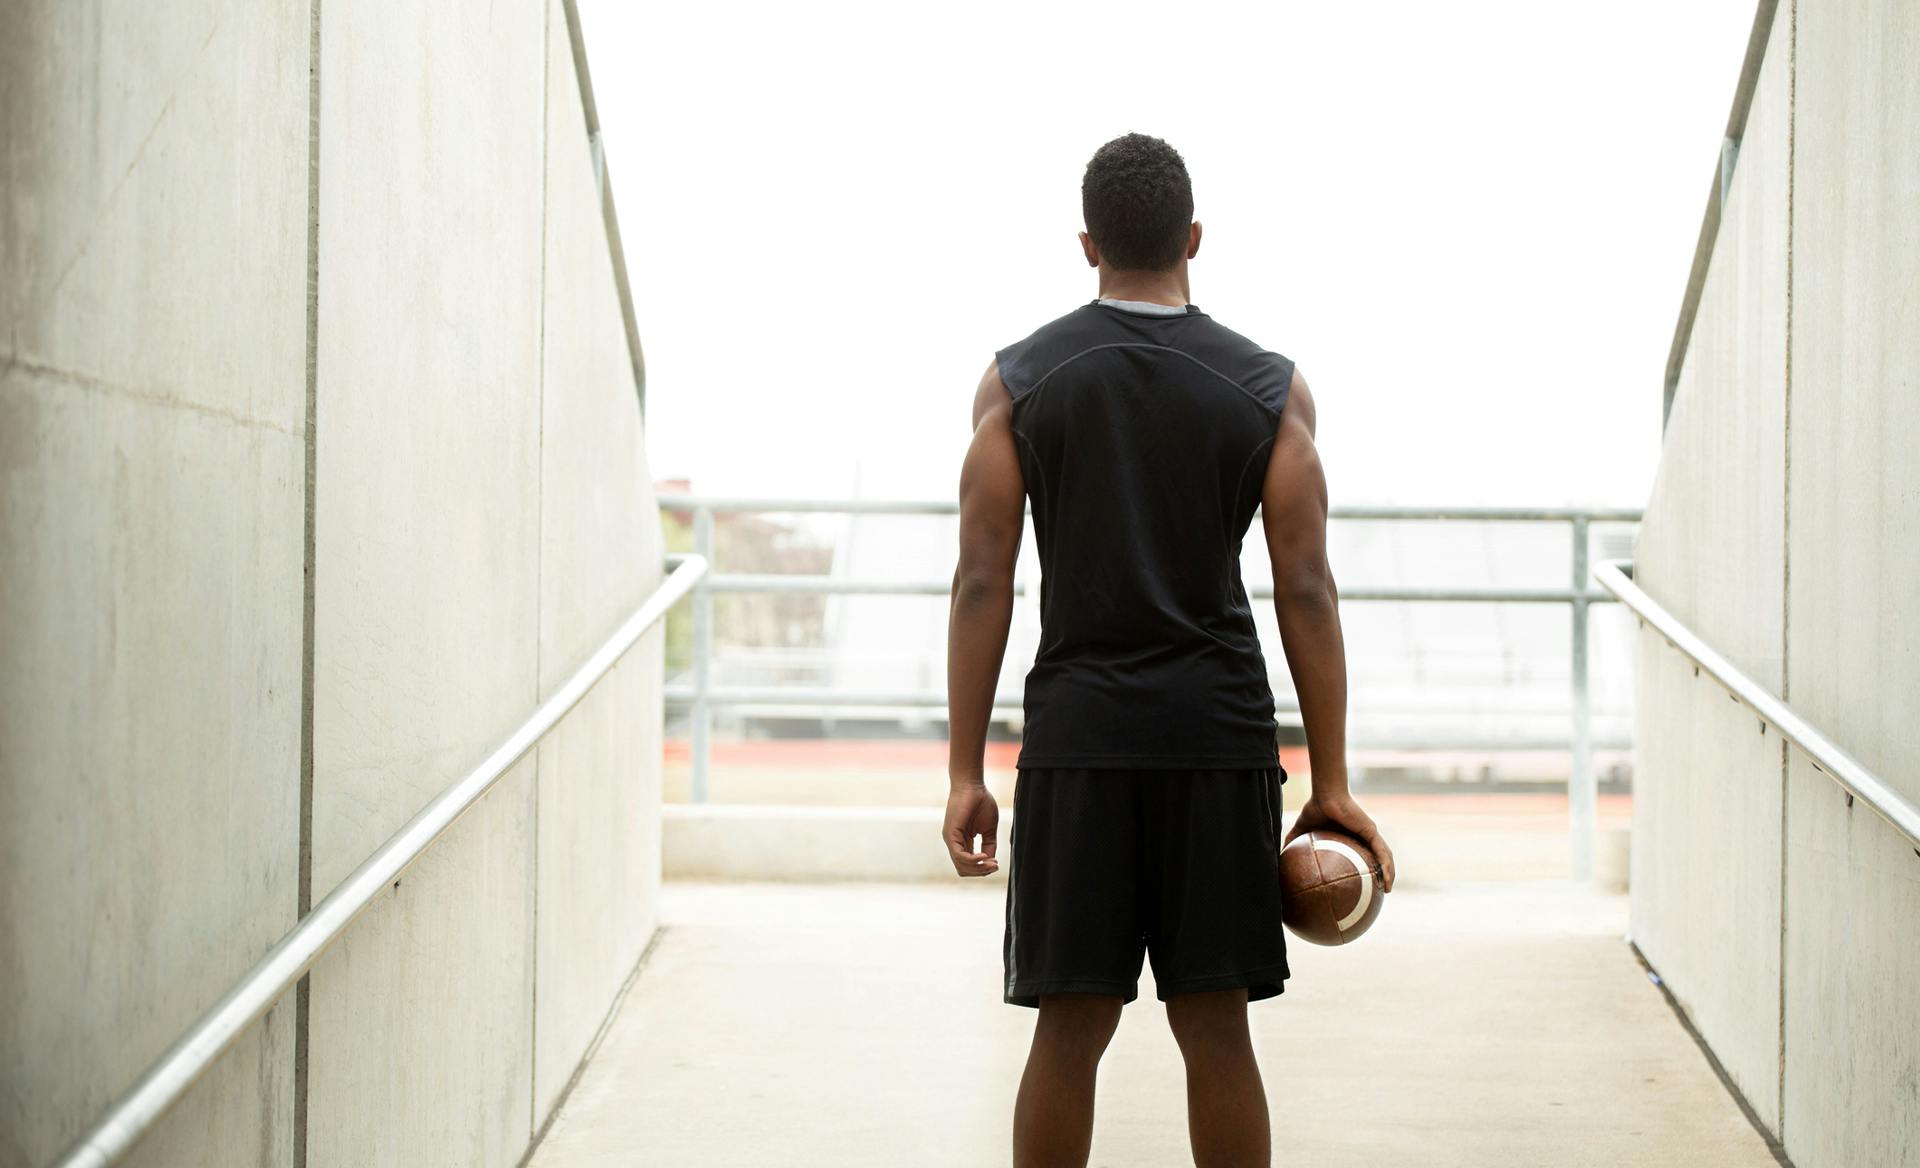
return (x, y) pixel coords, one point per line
(158, 395)
(303, 991)
(539, 580)
(1786, 571)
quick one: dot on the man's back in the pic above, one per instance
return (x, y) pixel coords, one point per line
(1143, 434)
(1147, 805)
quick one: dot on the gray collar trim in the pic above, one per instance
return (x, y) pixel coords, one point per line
(1144, 306)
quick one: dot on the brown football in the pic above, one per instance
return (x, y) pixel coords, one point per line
(1329, 887)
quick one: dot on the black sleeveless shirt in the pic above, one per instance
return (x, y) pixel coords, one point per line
(1144, 442)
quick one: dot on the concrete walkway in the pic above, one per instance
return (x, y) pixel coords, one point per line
(850, 1025)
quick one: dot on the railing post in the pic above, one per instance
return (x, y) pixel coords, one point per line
(1582, 791)
(702, 712)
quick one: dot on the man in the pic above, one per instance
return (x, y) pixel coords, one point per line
(1147, 802)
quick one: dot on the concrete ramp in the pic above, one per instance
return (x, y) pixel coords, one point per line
(861, 1024)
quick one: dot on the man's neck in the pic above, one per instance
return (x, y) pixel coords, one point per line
(1169, 287)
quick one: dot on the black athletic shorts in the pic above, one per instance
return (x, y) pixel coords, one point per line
(1177, 865)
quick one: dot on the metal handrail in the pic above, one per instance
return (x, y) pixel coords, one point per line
(684, 502)
(821, 584)
(703, 696)
(288, 961)
(1825, 754)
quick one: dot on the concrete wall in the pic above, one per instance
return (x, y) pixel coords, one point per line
(602, 552)
(427, 546)
(1852, 1085)
(153, 206)
(1705, 880)
(1783, 527)
(480, 517)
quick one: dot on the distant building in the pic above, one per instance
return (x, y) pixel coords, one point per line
(760, 638)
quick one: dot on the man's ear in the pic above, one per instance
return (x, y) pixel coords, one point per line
(1193, 239)
(1089, 250)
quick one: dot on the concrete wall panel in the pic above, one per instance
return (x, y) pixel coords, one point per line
(1852, 1083)
(421, 1021)
(427, 546)
(1707, 787)
(1852, 1087)
(154, 234)
(599, 839)
(1705, 882)
(1709, 548)
(150, 746)
(153, 206)
(601, 550)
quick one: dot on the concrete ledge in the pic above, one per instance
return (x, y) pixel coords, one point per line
(1436, 843)
(773, 842)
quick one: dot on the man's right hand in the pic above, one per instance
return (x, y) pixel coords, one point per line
(971, 811)
(1343, 813)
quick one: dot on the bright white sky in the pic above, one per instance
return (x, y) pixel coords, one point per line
(1470, 224)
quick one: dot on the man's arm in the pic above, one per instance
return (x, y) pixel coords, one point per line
(992, 519)
(1293, 504)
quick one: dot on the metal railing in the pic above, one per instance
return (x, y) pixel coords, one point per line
(1616, 576)
(288, 961)
(702, 696)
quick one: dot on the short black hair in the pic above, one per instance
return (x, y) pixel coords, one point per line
(1138, 203)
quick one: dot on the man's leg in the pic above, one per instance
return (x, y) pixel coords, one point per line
(1053, 1116)
(1217, 943)
(1226, 1101)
